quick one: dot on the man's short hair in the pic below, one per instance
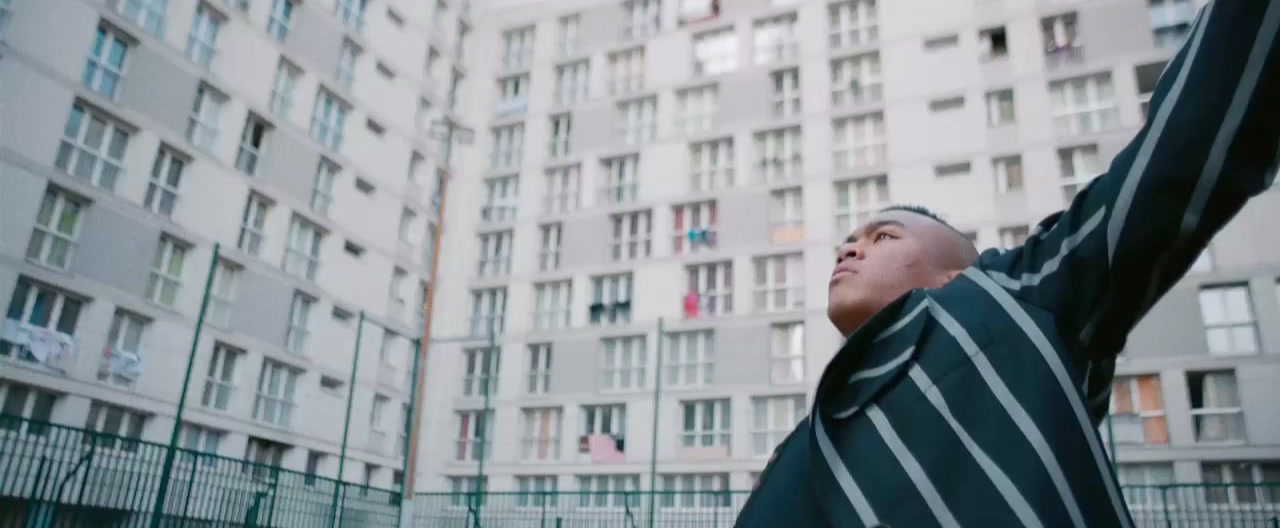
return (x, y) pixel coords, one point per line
(920, 210)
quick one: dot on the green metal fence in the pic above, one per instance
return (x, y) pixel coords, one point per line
(58, 476)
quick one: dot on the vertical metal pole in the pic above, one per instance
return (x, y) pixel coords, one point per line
(653, 449)
(346, 422)
(158, 510)
(409, 420)
(1111, 442)
(484, 413)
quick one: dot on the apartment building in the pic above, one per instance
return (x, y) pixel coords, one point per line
(664, 182)
(137, 134)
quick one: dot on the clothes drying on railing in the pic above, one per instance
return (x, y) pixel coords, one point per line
(40, 344)
(121, 364)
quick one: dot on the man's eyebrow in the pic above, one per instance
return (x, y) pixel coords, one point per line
(872, 226)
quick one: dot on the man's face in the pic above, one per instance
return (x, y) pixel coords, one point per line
(885, 258)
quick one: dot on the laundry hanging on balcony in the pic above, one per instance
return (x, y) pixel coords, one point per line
(120, 364)
(37, 343)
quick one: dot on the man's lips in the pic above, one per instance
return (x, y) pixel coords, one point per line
(840, 273)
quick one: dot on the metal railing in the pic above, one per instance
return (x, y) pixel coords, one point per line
(58, 476)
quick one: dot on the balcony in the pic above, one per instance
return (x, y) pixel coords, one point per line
(693, 240)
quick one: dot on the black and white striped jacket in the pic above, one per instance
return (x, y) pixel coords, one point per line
(977, 404)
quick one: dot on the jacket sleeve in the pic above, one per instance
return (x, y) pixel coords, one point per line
(1209, 145)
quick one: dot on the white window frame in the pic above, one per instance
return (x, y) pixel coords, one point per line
(537, 491)
(64, 307)
(570, 29)
(350, 13)
(253, 141)
(787, 353)
(1218, 411)
(328, 117)
(786, 208)
(606, 419)
(1099, 113)
(549, 251)
(148, 14)
(853, 23)
(599, 492)
(488, 311)
(221, 378)
(690, 359)
(299, 332)
(1078, 165)
(696, 491)
(474, 435)
(705, 423)
(1170, 21)
(165, 282)
(1141, 483)
(282, 87)
(508, 146)
(106, 63)
(222, 294)
(112, 421)
(552, 304)
(378, 413)
(786, 92)
(563, 185)
(540, 434)
(280, 19)
(697, 108)
(102, 164)
(638, 120)
(28, 402)
(643, 18)
(57, 229)
(772, 419)
(1061, 39)
(1129, 427)
(779, 154)
(166, 177)
(572, 82)
(513, 96)
(302, 253)
(202, 41)
(322, 186)
(778, 294)
(1227, 487)
(126, 335)
(712, 282)
(1008, 172)
(693, 227)
(252, 224)
(1000, 108)
(775, 39)
(481, 368)
(200, 438)
(538, 380)
(517, 48)
(621, 179)
(202, 124)
(613, 293)
(501, 198)
(861, 142)
(631, 236)
(626, 70)
(715, 52)
(857, 80)
(1229, 319)
(624, 363)
(495, 253)
(561, 130)
(857, 200)
(277, 387)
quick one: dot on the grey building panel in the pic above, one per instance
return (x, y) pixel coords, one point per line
(159, 89)
(585, 243)
(1237, 247)
(573, 366)
(745, 98)
(1259, 393)
(738, 9)
(290, 163)
(595, 127)
(743, 220)
(315, 40)
(116, 249)
(23, 194)
(601, 25)
(265, 314)
(742, 355)
(1110, 29)
(1170, 329)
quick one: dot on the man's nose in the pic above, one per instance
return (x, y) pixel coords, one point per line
(848, 250)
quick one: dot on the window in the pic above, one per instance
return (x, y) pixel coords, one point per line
(690, 359)
(1084, 105)
(280, 19)
(220, 379)
(540, 434)
(537, 492)
(1137, 411)
(474, 435)
(263, 457)
(549, 252)
(513, 96)
(1061, 46)
(327, 120)
(857, 200)
(632, 233)
(322, 187)
(551, 305)
(605, 419)
(786, 92)
(860, 141)
(106, 63)
(786, 353)
(711, 165)
(149, 14)
(251, 224)
(775, 39)
(488, 309)
(42, 307)
(56, 230)
(462, 487)
(626, 71)
(1008, 173)
(539, 380)
(121, 360)
(222, 294)
(1000, 108)
(202, 43)
(706, 423)
(697, 108)
(621, 179)
(569, 30)
(202, 124)
(572, 80)
(692, 11)
(377, 414)
(1229, 324)
(501, 194)
(395, 291)
(282, 88)
(92, 148)
(407, 229)
(947, 170)
(779, 154)
(638, 119)
(786, 210)
(1139, 483)
(302, 256)
(611, 299)
(1012, 237)
(609, 491)
(114, 420)
(1215, 407)
(695, 490)
(779, 283)
(643, 18)
(495, 253)
(710, 289)
(517, 48)
(561, 124)
(350, 13)
(624, 363)
(166, 175)
(402, 429)
(562, 185)
(508, 146)
(772, 419)
(314, 459)
(1170, 21)
(715, 52)
(993, 43)
(1237, 483)
(200, 438)
(1078, 166)
(856, 80)
(1148, 75)
(27, 402)
(853, 23)
(946, 104)
(693, 226)
(274, 403)
(299, 323)
(166, 272)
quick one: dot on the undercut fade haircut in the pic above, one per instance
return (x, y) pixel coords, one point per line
(920, 210)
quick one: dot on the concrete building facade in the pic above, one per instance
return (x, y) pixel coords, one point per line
(667, 180)
(136, 134)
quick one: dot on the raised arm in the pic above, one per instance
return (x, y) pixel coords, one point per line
(1210, 144)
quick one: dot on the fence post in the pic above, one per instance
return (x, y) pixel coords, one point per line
(275, 481)
(88, 466)
(1164, 499)
(191, 484)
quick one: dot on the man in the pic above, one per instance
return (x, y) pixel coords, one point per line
(969, 388)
